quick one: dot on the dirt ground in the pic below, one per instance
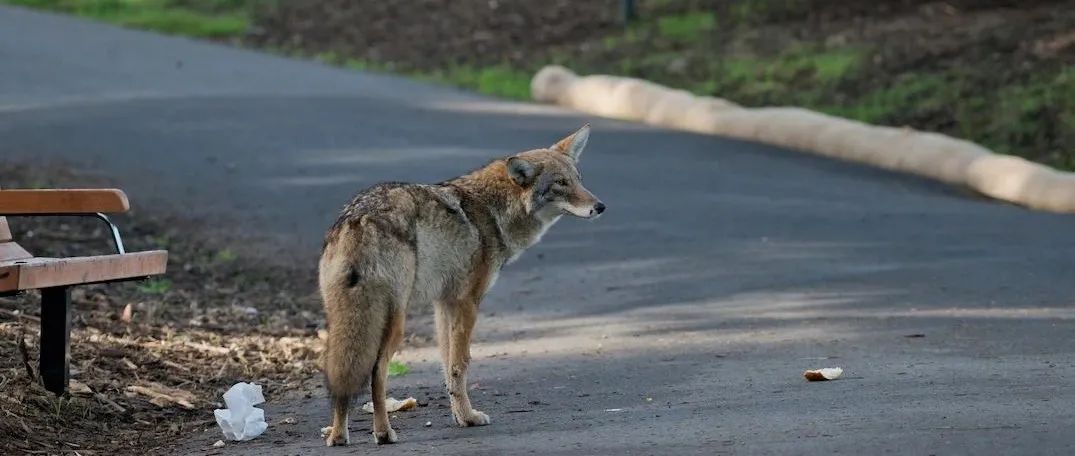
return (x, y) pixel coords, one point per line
(994, 71)
(149, 360)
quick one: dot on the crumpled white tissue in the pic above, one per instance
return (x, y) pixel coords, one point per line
(241, 420)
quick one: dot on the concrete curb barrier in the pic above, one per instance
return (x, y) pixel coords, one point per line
(931, 155)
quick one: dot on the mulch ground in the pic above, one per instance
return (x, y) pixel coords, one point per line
(150, 360)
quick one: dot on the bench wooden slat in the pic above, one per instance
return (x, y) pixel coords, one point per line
(9, 279)
(5, 231)
(37, 273)
(75, 201)
(10, 251)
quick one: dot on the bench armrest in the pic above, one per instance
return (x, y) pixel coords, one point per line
(78, 201)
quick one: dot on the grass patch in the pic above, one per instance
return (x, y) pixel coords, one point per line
(685, 27)
(499, 80)
(224, 256)
(196, 18)
(1036, 115)
(925, 92)
(181, 22)
(760, 11)
(800, 76)
(396, 369)
(155, 286)
(832, 66)
(822, 67)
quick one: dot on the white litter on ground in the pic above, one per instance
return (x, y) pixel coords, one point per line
(820, 375)
(241, 420)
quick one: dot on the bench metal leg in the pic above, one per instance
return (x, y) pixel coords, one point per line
(55, 338)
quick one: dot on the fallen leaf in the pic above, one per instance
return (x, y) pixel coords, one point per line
(77, 388)
(163, 396)
(394, 405)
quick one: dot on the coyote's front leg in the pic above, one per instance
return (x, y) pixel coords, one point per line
(455, 324)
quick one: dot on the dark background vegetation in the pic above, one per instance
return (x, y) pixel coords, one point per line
(998, 72)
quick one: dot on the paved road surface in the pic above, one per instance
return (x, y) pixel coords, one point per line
(679, 323)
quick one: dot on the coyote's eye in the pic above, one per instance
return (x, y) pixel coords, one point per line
(561, 182)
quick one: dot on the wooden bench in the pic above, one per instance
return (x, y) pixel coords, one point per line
(20, 271)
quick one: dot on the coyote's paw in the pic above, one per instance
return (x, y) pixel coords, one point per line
(382, 438)
(474, 418)
(333, 438)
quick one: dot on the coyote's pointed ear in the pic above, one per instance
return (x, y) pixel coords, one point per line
(572, 145)
(521, 171)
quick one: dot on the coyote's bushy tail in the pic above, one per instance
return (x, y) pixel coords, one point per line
(351, 351)
(355, 331)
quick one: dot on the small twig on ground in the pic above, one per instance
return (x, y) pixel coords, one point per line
(175, 365)
(110, 402)
(207, 348)
(20, 315)
(25, 352)
(163, 396)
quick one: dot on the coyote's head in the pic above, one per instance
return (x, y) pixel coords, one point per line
(551, 181)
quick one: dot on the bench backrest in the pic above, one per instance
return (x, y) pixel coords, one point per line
(9, 249)
(53, 202)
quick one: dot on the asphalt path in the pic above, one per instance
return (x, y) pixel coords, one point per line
(678, 323)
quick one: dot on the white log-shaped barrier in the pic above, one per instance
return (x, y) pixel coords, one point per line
(926, 154)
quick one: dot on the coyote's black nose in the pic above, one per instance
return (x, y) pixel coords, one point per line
(599, 208)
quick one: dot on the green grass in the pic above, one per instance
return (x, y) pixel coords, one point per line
(155, 286)
(802, 75)
(201, 19)
(824, 67)
(759, 11)
(396, 369)
(1016, 114)
(685, 27)
(497, 80)
(1035, 116)
(225, 256)
(920, 91)
(832, 66)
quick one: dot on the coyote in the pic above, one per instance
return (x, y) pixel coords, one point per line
(397, 245)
